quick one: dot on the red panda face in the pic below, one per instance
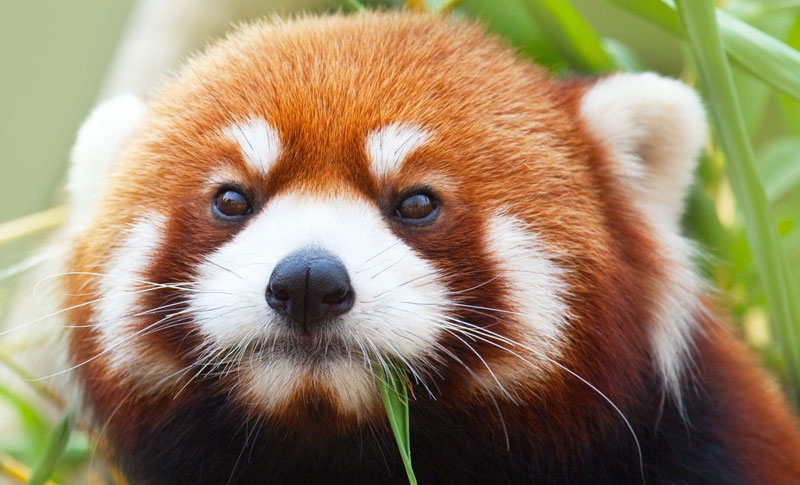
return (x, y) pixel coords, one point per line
(308, 202)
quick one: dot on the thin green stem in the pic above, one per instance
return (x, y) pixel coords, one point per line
(392, 382)
(56, 445)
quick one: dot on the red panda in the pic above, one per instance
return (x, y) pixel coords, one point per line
(310, 201)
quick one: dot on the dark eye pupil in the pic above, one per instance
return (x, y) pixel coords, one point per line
(231, 203)
(417, 206)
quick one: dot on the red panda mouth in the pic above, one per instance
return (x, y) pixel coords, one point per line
(307, 347)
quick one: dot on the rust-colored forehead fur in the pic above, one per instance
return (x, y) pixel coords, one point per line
(324, 84)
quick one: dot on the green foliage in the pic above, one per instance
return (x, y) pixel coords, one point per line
(393, 385)
(572, 36)
(55, 449)
(700, 25)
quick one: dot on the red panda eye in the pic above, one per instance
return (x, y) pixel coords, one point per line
(231, 203)
(417, 208)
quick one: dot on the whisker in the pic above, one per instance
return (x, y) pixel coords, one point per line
(485, 364)
(541, 355)
(387, 268)
(73, 307)
(382, 251)
(174, 286)
(127, 339)
(126, 316)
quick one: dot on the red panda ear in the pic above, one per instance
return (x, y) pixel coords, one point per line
(100, 139)
(653, 129)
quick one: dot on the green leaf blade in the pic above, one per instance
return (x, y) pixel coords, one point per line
(573, 36)
(392, 384)
(780, 167)
(56, 446)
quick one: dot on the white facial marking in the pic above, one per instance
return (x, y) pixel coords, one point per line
(653, 129)
(118, 312)
(677, 309)
(536, 291)
(387, 147)
(258, 141)
(399, 301)
(270, 384)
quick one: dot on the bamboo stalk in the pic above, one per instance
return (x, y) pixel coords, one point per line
(700, 24)
(56, 445)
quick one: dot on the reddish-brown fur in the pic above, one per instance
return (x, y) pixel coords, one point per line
(505, 136)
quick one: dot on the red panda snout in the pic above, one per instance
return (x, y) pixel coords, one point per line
(310, 286)
(380, 299)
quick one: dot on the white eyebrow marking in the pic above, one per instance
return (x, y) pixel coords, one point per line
(387, 147)
(258, 142)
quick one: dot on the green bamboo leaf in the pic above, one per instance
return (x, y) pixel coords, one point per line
(56, 445)
(793, 241)
(790, 107)
(354, 5)
(655, 12)
(392, 383)
(780, 167)
(755, 10)
(573, 37)
(622, 56)
(754, 97)
(34, 422)
(700, 24)
(509, 19)
(763, 56)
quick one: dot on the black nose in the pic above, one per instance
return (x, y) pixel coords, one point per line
(310, 286)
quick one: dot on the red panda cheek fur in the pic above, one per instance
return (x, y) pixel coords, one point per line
(587, 352)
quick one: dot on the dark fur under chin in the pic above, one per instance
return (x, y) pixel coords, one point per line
(213, 442)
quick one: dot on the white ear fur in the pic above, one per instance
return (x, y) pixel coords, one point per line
(99, 140)
(653, 128)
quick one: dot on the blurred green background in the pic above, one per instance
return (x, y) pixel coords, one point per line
(54, 56)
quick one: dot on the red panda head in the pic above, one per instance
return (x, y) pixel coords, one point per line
(309, 201)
